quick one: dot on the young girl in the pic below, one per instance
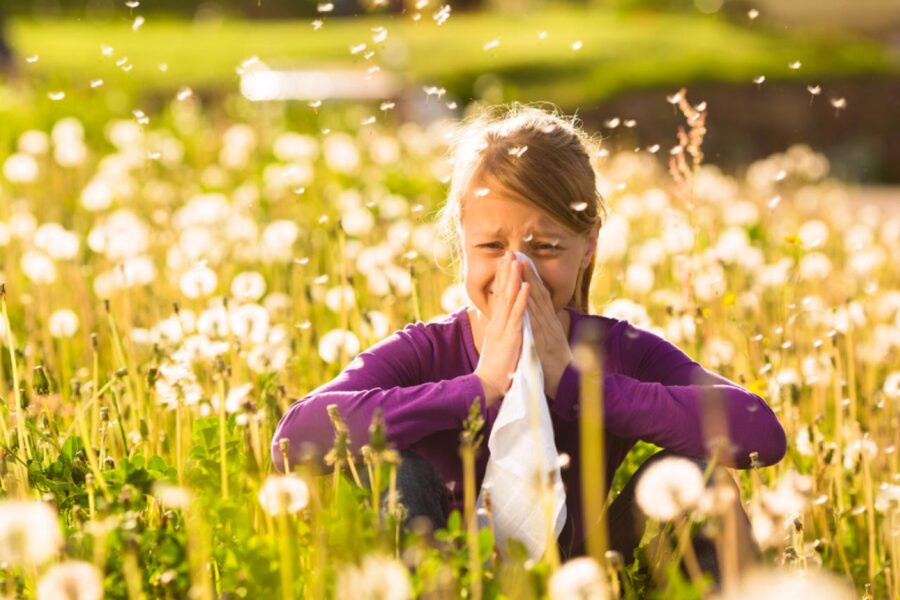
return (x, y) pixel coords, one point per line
(523, 181)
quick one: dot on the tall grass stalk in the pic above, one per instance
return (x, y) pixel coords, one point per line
(21, 433)
(470, 440)
(223, 456)
(592, 449)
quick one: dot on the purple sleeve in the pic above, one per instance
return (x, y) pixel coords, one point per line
(387, 375)
(664, 397)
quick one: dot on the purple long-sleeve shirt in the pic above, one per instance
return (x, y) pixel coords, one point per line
(423, 379)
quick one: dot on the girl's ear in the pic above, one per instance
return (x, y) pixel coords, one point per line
(591, 246)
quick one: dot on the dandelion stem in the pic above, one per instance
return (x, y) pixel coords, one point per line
(223, 457)
(287, 562)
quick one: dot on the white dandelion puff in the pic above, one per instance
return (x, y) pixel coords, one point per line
(379, 577)
(29, 532)
(71, 580)
(172, 496)
(283, 494)
(198, 282)
(579, 578)
(331, 343)
(63, 323)
(248, 285)
(669, 487)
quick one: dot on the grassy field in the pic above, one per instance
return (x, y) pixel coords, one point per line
(617, 52)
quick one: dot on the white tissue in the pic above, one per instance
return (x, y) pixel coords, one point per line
(521, 448)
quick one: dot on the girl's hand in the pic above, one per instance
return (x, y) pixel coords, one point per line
(503, 334)
(549, 334)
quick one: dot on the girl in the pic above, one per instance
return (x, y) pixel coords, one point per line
(523, 181)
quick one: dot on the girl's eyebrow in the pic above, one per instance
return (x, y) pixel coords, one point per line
(534, 232)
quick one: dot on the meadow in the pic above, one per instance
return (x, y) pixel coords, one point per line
(175, 277)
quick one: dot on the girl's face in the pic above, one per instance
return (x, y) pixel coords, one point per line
(496, 222)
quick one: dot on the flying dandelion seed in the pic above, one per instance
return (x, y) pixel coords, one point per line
(357, 48)
(372, 70)
(518, 151)
(163, 67)
(674, 98)
(122, 61)
(482, 192)
(676, 150)
(701, 106)
(416, 17)
(154, 155)
(32, 59)
(138, 21)
(612, 123)
(56, 96)
(577, 45)
(325, 7)
(317, 24)
(314, 103)
(441, 16)
(839, 104)
(814, 90)
(451, 105)
(141, 118)
(653, 149)
(421, 4)
(780, 175)
(380, 34)
(629, 123)
(542, 35)
(367, 121)
(106, 50)
(578, 206)
(434, 91)
(127, 68)
(775, 201)
(386, 106)
(795, 65)
(369, 55)
(491, 45)
(184, 93)
(759, 80)
(95, 83)
(528, 237)
(132, 4)
(752, 14)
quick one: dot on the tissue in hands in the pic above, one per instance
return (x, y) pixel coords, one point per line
(523, 474)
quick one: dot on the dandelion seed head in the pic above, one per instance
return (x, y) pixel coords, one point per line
(283, 494)
(63, 323)
(71, 580)
(669, 487)
(29, 532)
(331, 343)
(376, 577)
(172, 496)
(580, 577)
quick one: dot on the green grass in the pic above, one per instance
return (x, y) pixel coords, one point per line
(619, 52)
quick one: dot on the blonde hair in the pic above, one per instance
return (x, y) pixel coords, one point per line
(538, 155)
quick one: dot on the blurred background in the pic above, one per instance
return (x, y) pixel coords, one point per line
(822, 72)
